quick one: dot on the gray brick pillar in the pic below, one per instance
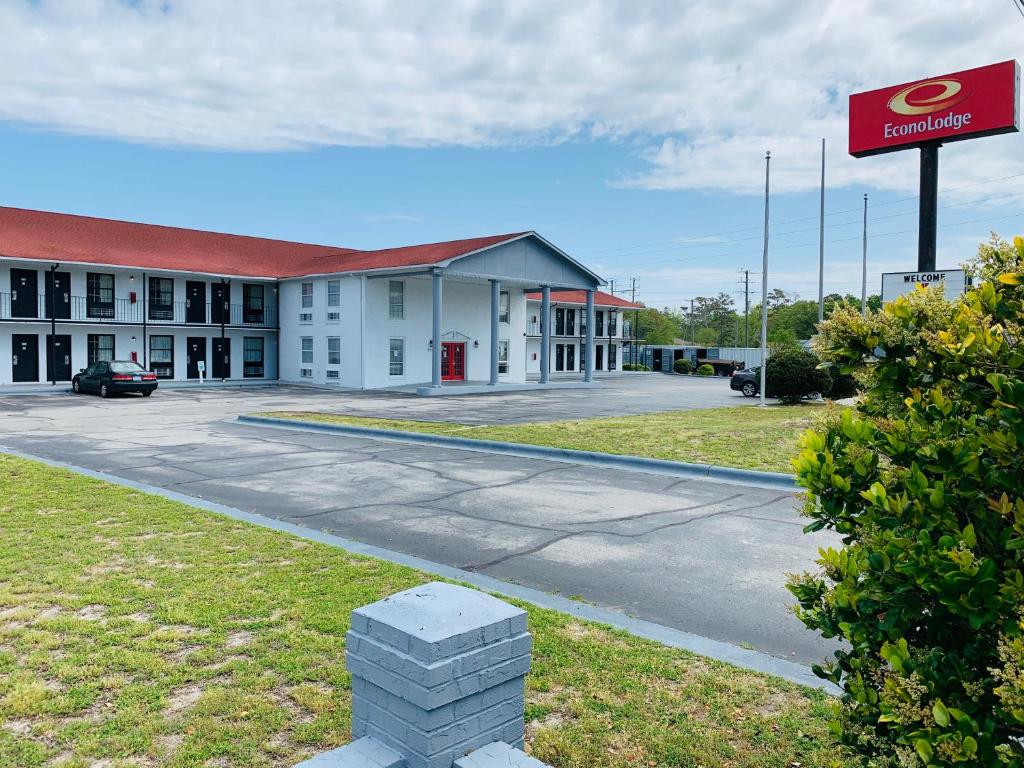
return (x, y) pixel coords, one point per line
(438, 671)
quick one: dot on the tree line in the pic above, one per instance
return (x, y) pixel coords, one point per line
(715, 321)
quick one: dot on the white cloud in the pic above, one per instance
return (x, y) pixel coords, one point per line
(700, 89)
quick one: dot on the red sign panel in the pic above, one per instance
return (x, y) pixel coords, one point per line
(963, 105)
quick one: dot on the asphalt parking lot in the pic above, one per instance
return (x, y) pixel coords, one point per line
(703, 557)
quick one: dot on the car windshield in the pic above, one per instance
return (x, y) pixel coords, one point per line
(126, 368)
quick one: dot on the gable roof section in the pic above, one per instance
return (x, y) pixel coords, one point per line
(601, 299)
(67, 238)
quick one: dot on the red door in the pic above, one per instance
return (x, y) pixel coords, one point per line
(453, 361)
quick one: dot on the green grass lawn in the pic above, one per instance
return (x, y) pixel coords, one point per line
(137, 631)
(740, 436)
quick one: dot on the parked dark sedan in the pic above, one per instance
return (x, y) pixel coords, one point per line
(112, 377)
(747, 381)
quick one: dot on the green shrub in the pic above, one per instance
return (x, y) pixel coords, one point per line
(682, 365)
(706, 370)
(924, 482)
(792, 374)
(843, 385)
(634, 367)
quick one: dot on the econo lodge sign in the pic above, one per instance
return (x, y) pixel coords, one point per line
(963, 105)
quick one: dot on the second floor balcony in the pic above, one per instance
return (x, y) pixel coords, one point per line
(576, 330)
(87, 309)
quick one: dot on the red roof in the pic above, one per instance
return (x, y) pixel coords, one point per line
(61, 237)
(601, 299)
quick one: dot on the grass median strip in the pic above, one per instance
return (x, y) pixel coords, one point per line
(745, 437)
(137, 631)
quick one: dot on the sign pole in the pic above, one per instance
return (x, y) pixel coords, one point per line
(821, 241)
(764, 285)
(864, 264)
(929, 203)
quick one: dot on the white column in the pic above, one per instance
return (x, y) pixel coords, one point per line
(545, 334)
(435, 380)
(495, 319)
(588, 374)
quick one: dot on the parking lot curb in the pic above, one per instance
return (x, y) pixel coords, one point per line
(775, 481)
(744, 658)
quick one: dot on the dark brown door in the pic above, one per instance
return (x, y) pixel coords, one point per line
(24, 357)
(25, 294)
(58, 295)
(58, 357)
(195, 301)
(220, 364)
(220, 311)
(195, 346)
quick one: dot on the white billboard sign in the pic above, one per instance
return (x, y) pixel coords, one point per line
(955, 283)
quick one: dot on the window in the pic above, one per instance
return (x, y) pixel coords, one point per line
(613, 322)
(100, 346)
(333, 374)
(334, 350)
(502, 357)
(307, 295)
(161, 356)
(161, 298)
(599, 323)
(396, 300)
(396, 357)
(306, 373)
(305, 317)
(99, 295)
(307, 350)
(613, 350)
(503, 305)
(252, 357)
(252, 303)
(560, 322)
(333, 300)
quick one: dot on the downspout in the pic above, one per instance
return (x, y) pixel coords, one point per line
(277, 327)
(145, 341)
(362, 340)
(53, 325)
(225, 290)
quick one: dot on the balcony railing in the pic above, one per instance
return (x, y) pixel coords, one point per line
(608, 331)
(125, 311)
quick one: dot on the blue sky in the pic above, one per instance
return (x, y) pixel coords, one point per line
(618, 149)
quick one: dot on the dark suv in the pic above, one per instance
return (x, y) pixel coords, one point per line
(747, 381)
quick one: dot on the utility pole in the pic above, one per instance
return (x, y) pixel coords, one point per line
(821, 241)
(746, 307)
(864, 265)
(693, 326)
(636, 317)
(764, 284)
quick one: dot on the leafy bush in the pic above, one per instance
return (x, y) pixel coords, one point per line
(924, 482)
(634, 367)
(793, 374)
(843, 385)
(706, 370)
(682, 365)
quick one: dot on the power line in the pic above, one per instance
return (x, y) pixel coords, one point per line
(676, 242)
(1019, 5)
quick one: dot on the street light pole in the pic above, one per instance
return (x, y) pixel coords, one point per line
(764, 284)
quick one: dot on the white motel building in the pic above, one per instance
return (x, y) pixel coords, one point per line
(192, 306)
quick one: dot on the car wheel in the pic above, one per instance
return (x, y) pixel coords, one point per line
(74, 386)
(147, 393)
(749, 389)
(104, 392)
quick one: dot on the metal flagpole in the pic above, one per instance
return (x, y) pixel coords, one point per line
(864, 266)
(764, 284)
(821, 241)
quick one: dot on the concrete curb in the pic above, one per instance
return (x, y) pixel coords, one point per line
(674, 638)
(775, 481)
